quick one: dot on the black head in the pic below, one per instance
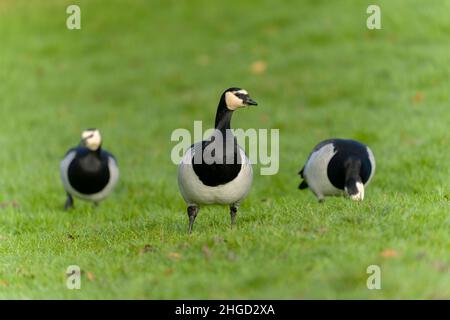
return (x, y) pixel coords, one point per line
(235, 98)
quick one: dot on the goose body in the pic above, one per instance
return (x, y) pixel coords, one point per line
(338, 167)
(88, 173)
(204, 184)
(217, 170)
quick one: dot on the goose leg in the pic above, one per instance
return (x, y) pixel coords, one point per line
(69, 202)
(192, 212)
(320, 196)
(233, 214)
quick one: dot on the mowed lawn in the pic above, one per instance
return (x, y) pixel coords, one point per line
(139, 69)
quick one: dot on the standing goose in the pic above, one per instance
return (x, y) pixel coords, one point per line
(216, 170)
(88, 172)
(338, 166)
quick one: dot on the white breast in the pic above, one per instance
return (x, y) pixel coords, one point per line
(316, 169)
(113, 179)
(195, 192)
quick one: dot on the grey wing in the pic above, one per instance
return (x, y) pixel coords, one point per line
(304, 184)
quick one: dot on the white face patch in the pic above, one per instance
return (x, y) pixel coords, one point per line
(92, 139)
(360, 195)
(232, 101)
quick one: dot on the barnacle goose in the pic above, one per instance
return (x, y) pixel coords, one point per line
(216, 170)
(338, 166)
(88, 172)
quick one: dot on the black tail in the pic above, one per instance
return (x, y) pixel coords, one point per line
(303, 185)
(301, 172)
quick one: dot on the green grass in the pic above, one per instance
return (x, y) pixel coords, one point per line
(139, 69)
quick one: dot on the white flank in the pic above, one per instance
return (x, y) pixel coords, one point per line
(315, 172)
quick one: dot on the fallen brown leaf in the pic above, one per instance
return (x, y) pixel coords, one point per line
(389, 253)
(174, 255)
(168, 271)
(258, 67)
(90, 276)
(418, 97)
(264, 118)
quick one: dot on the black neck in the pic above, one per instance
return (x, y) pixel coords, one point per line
(95, 153)
(352, 170)
(223, 116)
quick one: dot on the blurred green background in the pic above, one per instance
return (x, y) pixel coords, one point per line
(138, 69)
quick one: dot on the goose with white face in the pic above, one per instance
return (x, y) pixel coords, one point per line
(239, 98)
(88, 172)
(226, 182)
(91, 139)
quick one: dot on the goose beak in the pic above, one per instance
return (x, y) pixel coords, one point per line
(250, 102)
